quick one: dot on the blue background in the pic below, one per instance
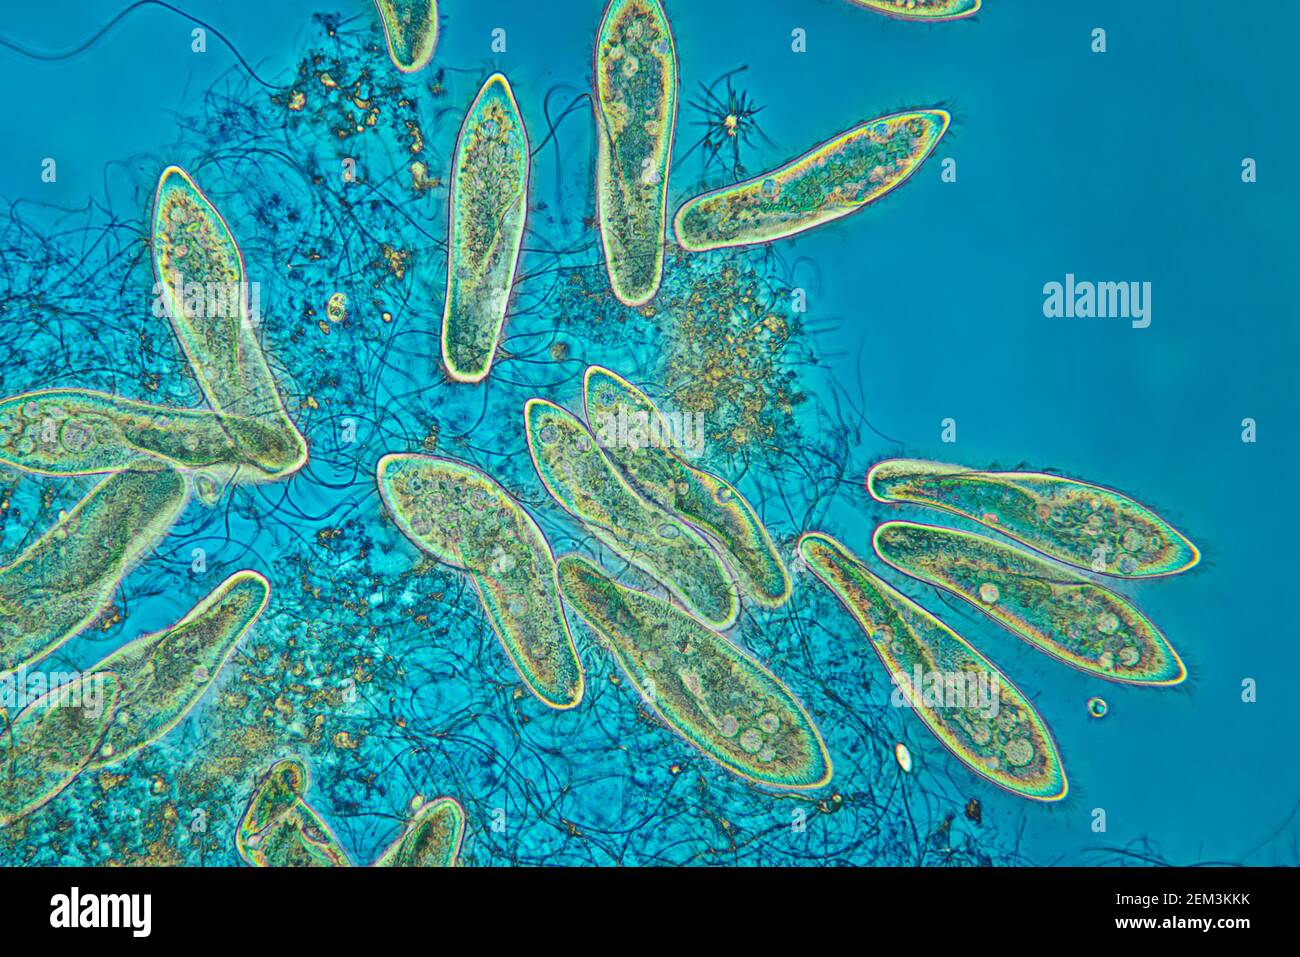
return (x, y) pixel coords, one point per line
(1117, 166)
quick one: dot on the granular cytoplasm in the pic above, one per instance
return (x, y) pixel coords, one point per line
(465, 519)
(926, 11)
(164, 675)
(1056, 610)
(45, 746)
(410, 30)
(431, 838)
(488, 205)
(60, 583)
(280, 829)
(83, 432)
(718, 698)
(647, 450)
(965, 701)
(636, 113)
(580, 477)
(203, 289)
(1084, 525)
(832, 180)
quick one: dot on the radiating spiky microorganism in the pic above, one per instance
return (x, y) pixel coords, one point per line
(636, 114)
(410, 30)
(926, 11)
(204, 291)
(60, 583)
(1057, 611)
(280, 829)
(641, 442)
(728, 119)
(719, 699)
(832, 180)
(487, 206)
(431, 838)
(1084, 525)
(46, 745)
(83, 432)
(465, 519)
(579, 477)
(163, 675)
(964, 700)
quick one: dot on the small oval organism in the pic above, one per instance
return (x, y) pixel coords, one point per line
(643, 444)
(966, 702)
(336, 307)
(431, 838)
(83, 432)
(636, 114)
(928, 11)
(203, 289)
(280, 829)
(579, 477)
(410, 30)
(164, 675)
(45, 746)
(1097, 707)
(488, 204)
(1057, 611)
(903, 757)
(60, 583)
(465, 519)
(719, 699)
(833, 179)
(1084, 525)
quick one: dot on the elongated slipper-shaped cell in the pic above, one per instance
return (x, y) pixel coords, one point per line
(1084, 525)
(984, 720)
(465, 519)
(722, 701)
(1054, 609)
(488, 206)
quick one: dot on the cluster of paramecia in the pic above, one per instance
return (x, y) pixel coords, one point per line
(1033, 592)
(635, 97)
(616, 470)
(691, 531)
(152, 457)
(623, 478)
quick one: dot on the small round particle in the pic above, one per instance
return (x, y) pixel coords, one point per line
(903, 757)
(1018, 752)
(1097, 707)
(989, 593)
(77, 437)
(336, 308)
